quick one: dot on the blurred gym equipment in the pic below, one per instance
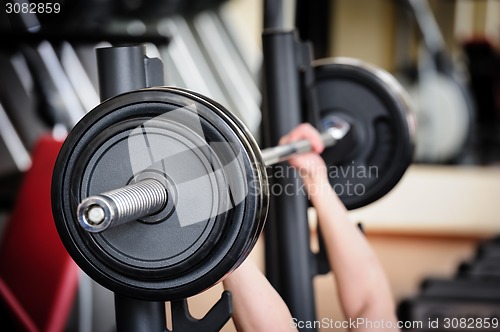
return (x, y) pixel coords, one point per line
(444, 108)
(469, 301)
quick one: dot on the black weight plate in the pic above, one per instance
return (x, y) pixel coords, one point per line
(174, 146)
(216, 182)
(368, 163)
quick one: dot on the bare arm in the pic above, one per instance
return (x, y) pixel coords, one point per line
(363, 289)
(257, 306)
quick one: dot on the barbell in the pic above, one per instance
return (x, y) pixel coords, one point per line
(161, 192)
(149, 196)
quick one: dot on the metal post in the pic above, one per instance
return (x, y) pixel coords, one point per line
(273, 14)
(288, 256)
(126, 68)
(134, 315)
(123, 69)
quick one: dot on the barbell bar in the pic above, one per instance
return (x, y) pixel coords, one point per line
(147, 197)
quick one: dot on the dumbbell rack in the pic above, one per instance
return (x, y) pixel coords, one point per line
(471, 298)
(133, 314)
